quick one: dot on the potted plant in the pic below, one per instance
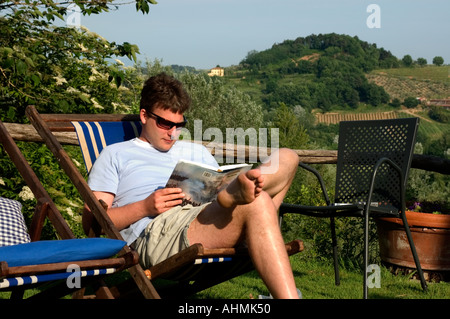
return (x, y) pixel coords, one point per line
(430, 229)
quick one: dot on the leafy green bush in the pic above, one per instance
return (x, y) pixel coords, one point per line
(439, 114)
(428, 186)
(410, 102)
(58, 69)
(56, 183)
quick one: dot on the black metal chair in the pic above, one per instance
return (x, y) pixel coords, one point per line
(374, 158)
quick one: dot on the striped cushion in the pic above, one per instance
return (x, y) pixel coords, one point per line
(13, 229)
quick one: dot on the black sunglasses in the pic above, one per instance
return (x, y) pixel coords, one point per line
(166, 124)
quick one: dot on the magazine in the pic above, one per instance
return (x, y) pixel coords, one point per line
(201, 183)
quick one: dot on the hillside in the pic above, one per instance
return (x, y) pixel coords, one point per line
(339, 77)
(429, 82)
(331, 71)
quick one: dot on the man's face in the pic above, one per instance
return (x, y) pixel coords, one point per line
(159, 129)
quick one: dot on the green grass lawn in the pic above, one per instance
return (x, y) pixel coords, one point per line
(316, 281)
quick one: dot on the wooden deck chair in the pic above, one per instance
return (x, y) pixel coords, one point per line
(192, 270)
(27, 262)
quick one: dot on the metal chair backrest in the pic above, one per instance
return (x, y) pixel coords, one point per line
(361, 145)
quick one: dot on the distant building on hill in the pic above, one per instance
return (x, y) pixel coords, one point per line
(441, 102)
(217, 71)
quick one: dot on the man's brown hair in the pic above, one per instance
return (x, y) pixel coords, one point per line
(166, 92)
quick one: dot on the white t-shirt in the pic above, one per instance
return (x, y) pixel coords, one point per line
(134, 169)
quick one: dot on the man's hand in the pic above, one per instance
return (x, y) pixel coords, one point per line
(164, 199)
(156, 203)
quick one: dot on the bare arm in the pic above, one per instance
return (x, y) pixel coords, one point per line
(156, 203)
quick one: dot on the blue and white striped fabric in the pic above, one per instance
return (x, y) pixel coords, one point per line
(56, 251)
(94, 136)
(200, 261)
(28, 280)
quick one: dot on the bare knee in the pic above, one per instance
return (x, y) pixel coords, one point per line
(288, 157)
(261, 207)
(284, 158)
(222, 227)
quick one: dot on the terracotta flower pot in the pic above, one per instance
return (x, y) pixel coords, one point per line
(431, 236)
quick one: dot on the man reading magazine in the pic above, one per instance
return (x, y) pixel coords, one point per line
(130, 177)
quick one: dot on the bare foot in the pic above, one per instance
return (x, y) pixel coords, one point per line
(243, 190)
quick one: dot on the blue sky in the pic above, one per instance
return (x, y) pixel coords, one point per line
(206, 33)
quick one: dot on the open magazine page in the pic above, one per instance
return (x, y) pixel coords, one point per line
(201, 183)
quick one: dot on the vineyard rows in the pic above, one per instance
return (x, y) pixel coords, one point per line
(334, 118)
(403, 87)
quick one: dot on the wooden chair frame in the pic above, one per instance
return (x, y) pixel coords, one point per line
(46, 208)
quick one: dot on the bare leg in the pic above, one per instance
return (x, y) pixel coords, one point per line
(218, 227)
(277, 184)
(243, 210)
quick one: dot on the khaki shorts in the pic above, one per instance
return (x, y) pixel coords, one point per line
(166, 235)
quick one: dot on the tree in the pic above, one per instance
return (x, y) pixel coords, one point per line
(374, 94)
(50, 9)
(291, 133)
(396, 102)
(58, 69)
(422, 61)
(290, 94)
(439, 114)
(410, 102)
(407, 60)
(219, 105)
(438, 60)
